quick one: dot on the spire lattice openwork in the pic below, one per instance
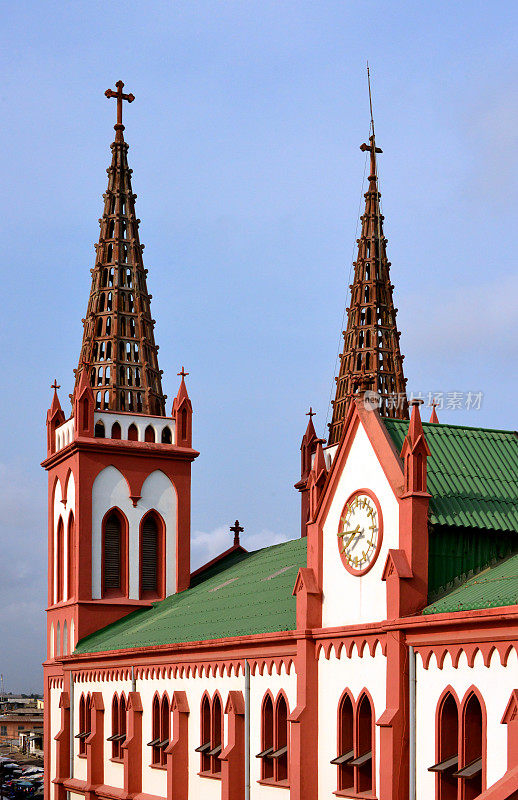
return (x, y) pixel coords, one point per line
(371, 357)
(119, 349)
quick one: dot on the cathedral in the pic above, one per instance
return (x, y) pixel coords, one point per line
(375, 655)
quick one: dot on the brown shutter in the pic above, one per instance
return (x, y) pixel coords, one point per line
(112, 553)
(149, 555)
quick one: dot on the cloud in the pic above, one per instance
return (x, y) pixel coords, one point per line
(207, 545)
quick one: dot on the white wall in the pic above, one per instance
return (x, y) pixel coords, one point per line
(154, 781)
(334, 676)
(111, 489)
(495, 683)
(140, 421)
(348, 599)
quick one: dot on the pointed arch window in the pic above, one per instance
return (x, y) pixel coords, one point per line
(152, 538)
(280, 753)
(118, 734)
(472, 763)
(114, 567)
(132, 430)
(161, 715)
(166, 435)
(85, 722)
(211, 725)
(266, 739)
(70, 557)
(116, 431)
(99, 432)
(60, 561)
(345, 744)
(149, 434)
(364, 761)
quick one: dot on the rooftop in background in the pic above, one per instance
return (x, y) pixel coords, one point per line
(244, 594)
(472, 474)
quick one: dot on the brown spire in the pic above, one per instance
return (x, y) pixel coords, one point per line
(371, 354)
(118, 347)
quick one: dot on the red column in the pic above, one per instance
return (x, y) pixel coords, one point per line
(393, 756)
(178, 750)
(132, 746)
(233, 756)
(63, 747)
(95, 747)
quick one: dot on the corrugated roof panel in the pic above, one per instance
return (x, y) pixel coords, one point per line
(252, 594)
(494, 587)
(472, 474)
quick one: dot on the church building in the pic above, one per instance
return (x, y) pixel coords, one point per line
(375, 655)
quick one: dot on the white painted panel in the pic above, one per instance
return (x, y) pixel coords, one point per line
(348, 599)
(495, 683)
(334, 676)
(111, 489)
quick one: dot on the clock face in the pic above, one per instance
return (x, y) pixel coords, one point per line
(359, 532)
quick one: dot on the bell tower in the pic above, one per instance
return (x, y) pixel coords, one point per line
(119, 467)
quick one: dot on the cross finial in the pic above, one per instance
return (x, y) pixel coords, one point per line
(119, 94)
(311, 413)
(236, 530)
(183, 373)
(55, 385)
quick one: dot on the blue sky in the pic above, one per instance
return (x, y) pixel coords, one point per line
(244, 141)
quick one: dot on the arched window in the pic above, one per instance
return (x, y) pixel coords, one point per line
(164, 729)
(65, 638)
(149, 434)
(59, 562)
(151, 558)
(58, 640)
(114, 555)
(116, 431)
(118, 726)
(204, 747)
(166, 435)
(155, 731)
(365, 736)
(82, 726)
(471, 772)
(447, 748)
(184, 423)
(211, 728)
(70, 557)
(266, 738)
(99, 429)
(217, 735)
(345, 744)
(133, 433)
(280, 754)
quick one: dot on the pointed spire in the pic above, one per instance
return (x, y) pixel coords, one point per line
(182, 413)
(119, 350)
(55, 406)
(371, 341)
(434, 418)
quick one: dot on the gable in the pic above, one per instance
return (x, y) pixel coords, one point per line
(349, 599)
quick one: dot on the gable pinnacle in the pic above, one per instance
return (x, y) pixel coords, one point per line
(118, 354)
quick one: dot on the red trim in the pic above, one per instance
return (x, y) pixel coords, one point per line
(178, 750)
(236, 548)
(348, 567)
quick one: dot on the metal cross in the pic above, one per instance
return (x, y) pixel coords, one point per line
(236, 530)
(119, 94)
(311, 413)
(55, 385)
(183, 373)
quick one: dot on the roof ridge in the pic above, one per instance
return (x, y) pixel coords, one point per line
(436, 426)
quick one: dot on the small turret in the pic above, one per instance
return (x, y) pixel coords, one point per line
(415, 452)
(182, 414)
(307, 451)
(55, 418)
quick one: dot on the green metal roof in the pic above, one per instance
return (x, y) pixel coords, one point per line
(472, 474)
(494, 587)
(244, 594)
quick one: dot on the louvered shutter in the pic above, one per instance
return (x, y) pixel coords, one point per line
(112, 553)
(149, 555)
